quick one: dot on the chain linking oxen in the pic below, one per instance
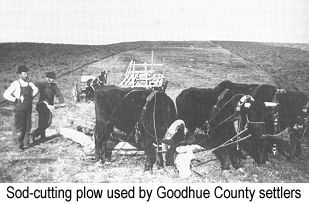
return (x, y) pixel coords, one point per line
(133, 110)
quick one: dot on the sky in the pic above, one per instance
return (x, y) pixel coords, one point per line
(99, 22)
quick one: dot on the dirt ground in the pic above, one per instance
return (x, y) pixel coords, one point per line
(186, 64)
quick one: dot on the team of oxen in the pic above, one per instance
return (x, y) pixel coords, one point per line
(232, 119)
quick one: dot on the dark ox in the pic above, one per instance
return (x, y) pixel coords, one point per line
(129, 110)
(239, 113)
(222, 128)
(292, 116)
(291, 105)
(291, 113)
(195, 105)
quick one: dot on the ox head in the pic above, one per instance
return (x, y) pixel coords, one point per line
(253, 114)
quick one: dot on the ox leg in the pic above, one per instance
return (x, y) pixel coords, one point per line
(254, 148)
(223, 158)
(170, 156)
(263, 151)
(106, 154)
(100, 136)
(98, 141)
(159, 159)
(234, 158)
(225, 161)
(150, 155)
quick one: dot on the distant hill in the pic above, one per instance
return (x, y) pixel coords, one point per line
(188, 63)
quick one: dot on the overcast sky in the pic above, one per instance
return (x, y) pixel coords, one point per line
(110, 21)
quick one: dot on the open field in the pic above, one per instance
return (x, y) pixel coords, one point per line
(187, 64)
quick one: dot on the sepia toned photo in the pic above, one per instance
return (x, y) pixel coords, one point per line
(115, 91)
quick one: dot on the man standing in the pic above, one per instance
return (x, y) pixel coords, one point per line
(21, 92)
(297, 137)
(48, 90)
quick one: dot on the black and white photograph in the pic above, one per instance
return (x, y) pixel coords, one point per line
(160, 91)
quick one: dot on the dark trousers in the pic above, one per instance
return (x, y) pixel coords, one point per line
(295, 148)
(45, 119)
(23, 123)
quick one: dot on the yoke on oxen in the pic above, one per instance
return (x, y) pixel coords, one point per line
(133, 110)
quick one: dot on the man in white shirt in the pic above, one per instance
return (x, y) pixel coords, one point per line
(22, 92)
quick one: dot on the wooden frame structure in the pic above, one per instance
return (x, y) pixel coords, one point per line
(142, 75)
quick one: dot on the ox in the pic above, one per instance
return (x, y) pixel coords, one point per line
(240, 115)
(194, 105)
(292, 117)
(233, 113)
(133, 110)
(221, 129)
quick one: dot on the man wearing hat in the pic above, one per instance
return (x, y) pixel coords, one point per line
(47, 90)
(22, 92)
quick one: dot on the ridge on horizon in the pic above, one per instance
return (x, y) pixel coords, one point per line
(150, 41)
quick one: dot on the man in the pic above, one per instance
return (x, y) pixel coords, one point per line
(21, 92)
(296, 137)
(47, 90)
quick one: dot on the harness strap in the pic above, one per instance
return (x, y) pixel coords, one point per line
(224, 106)
(227, 120)
(226, 143)
(284, 134)
(233, 142)
(148, 99)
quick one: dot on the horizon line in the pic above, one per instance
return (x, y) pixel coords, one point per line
(140, 41)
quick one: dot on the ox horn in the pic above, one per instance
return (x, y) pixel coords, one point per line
(271, 104)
